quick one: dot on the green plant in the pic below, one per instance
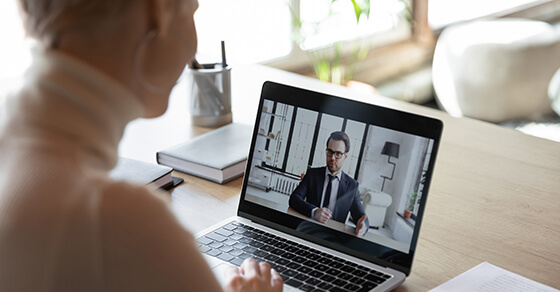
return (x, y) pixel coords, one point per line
(329, 63)
(411, 201)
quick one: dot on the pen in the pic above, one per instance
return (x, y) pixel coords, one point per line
(195, 64)
(224, 63)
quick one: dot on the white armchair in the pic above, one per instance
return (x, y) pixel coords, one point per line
(375, 204)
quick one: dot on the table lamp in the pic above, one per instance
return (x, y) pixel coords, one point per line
(391, 150)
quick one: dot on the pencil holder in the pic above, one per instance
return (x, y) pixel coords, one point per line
(210, 93)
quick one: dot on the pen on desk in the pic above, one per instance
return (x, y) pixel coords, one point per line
(195, 64)
(224, 63)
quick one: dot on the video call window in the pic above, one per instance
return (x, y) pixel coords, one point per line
(388, 166)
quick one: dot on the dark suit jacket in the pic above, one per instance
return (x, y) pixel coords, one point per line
(307, 196)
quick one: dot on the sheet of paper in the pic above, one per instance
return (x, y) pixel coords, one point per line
(489, 278)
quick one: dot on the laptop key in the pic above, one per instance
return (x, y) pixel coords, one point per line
(299, 259)
(313, 281)
(215, 244)
(367, 286)
(236, 237)
(245, 240)
(239, 245)
(267, 247)
(294, 283)
(290, 273)
(225, 257)
(226, 248)
(271, 258)
(375, 279)
(333, 272)
(325, 286)
(245, 256)
(322, 268)
(339, 282)
(282, 261)
(337, 265)
(305, 269)
(236, 252)
(289, 255)
(359, 273)
(277, 251)
(356, 280)
(306, 288)
(351, 287)
(328, 278)
(213, 252)
(293, 266)
(216, 237)
(316, 274)
(249, 249)
(204, 248)
(301, 277)
(311, 264)
(346, 276)
(236, 261)
(205, 240)
(313, 256)
(224, 232)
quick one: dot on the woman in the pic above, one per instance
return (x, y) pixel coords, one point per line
(64, 225)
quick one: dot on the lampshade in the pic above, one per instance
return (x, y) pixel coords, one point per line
(391, 149)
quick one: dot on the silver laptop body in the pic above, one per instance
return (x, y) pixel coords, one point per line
(389, 168)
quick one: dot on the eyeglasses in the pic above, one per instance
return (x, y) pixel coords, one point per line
(337, 154)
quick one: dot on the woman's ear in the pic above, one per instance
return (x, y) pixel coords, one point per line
(161, 13)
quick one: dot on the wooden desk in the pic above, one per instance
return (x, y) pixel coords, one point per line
(494, 195)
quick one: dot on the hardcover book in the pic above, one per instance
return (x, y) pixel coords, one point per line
(153, 175)
(219, 155)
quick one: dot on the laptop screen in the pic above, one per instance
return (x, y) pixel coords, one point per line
(347, 175)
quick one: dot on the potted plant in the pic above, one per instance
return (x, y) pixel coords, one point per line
(410, 205)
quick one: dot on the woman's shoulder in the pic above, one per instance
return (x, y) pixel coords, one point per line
(130, 200)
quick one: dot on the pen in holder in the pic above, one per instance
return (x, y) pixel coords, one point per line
(210, 87)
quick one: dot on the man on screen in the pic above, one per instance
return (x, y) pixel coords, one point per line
(328, 193)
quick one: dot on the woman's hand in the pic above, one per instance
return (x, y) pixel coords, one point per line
(252, 276)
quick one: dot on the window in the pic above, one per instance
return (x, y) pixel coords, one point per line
(15, 56)
(255, 31)
(263, 31)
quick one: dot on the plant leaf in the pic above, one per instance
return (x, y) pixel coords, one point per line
(357, 10)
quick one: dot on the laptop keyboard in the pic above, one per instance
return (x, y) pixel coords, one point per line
(300, 266)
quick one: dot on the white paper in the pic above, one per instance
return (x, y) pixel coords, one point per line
(489, 278)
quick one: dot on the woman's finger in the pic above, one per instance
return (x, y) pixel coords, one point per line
(250, 268)
(276, 281)
(265, 271)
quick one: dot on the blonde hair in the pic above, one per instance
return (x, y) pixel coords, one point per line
(44, 20)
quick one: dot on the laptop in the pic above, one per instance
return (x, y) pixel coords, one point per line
(384, 176)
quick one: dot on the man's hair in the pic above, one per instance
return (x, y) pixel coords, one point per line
(340, 136)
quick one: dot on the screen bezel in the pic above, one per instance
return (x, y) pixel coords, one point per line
(368, 113)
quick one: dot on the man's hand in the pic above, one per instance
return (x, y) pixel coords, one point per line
(322, 215)
(361, 227)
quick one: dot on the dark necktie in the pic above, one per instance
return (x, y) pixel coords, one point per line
(328, 191)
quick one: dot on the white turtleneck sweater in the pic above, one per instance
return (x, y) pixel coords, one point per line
(64, 225)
